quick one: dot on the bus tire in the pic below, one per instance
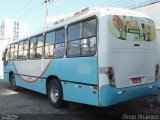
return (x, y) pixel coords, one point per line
(55, 93)
(13, 82)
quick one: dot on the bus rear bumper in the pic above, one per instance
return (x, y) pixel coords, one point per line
(110, 96)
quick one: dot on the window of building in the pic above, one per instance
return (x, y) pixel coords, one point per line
(82, 38)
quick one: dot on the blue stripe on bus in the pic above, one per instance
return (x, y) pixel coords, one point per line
(80, 69)
(109, 96)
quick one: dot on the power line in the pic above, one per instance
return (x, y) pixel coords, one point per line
(126, 3)
(31, 11)
(20, 11)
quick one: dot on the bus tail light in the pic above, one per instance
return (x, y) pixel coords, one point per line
(156, 71)
(110, 73)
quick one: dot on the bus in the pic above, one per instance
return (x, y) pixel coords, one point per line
(158, 39)
(99, 57)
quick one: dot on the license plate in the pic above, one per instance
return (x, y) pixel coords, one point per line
(136, 80)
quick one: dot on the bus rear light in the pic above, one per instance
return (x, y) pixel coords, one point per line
(110, 73)
(156, 71)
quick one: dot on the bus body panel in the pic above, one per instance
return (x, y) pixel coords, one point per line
(80, 93)
(133, 47)
(128, 65)
(82, 70)
(110, 96)
(78, 77)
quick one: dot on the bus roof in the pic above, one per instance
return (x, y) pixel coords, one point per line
(86, 12)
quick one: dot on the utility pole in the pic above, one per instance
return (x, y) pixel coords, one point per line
(46, 2)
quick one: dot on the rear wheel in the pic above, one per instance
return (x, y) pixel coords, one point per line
(13, 82)
(55, 94)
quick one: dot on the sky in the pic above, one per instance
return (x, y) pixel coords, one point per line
(32, 12)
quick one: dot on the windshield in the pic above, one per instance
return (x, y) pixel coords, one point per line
(131, 28)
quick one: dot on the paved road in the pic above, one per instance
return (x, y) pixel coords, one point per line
(27, 104)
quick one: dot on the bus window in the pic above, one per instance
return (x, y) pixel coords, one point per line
(82, 38)
(11, 57)
(15, 51)
(74, 31)
(5, 56)
(49, 45)
(89, 28)
(20, 51)
(39, 48)
(59, 48)
(88, 45)
(33, 44)
(36, 47)
(132, 28)
(23, 50)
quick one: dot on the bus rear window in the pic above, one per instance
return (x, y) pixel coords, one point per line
(132, 28)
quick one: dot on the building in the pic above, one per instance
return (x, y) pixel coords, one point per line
(11, 29)
(3, 44)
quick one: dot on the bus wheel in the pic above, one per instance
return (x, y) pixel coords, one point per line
(13, 82)
(55, 94)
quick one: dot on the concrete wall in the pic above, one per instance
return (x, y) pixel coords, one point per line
(3, 44)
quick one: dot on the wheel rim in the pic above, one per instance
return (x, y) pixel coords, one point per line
(54, 94)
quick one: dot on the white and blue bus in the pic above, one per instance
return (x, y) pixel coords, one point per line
(98, 57)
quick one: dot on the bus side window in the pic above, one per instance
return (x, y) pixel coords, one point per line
(8, 53)
(49, 45)
(15, 51)
(11, 56)
(39, 48)
(23, 50)
(4, 55)
(33, 45)
(88, 44)
(59, 47)
(82, 38)
(36, 47)
(73, 41)
(20, 51)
